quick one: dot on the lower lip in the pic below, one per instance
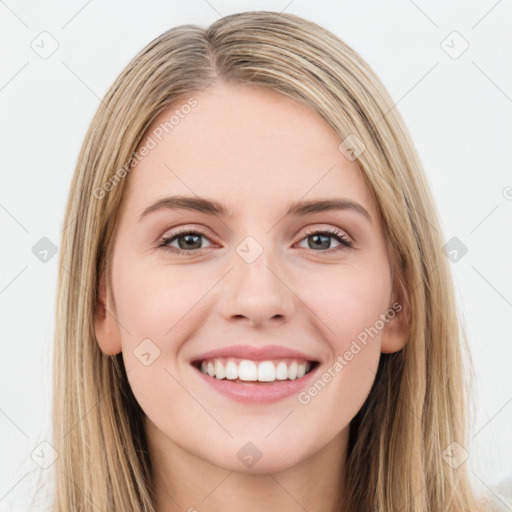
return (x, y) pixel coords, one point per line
(254, 392)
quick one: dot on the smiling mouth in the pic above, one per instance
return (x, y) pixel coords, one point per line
(246, 371)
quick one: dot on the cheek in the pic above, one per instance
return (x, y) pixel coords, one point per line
(159, 308)
(157, 302)
(340, 389)
(349, 303)
(155, 306)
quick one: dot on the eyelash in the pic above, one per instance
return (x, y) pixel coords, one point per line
(332, 233)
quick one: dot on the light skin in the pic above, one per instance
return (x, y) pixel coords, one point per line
(256, 152)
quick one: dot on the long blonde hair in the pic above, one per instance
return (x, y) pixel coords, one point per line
(418, 404)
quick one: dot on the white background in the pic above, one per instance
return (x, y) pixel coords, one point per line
(458, 111)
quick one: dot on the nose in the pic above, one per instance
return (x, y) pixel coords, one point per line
(257, 293)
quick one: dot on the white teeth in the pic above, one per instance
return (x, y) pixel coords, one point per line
(281, 371)
(231, 370)
(247, 370)
(266, 372)
(219, 370)
(292, 371)
(261, 371)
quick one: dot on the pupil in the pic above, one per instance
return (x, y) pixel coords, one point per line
(187, 244)
(326, 241)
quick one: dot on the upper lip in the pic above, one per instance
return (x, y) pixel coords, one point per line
(255, 353)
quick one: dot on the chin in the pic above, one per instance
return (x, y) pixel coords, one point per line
(261, 456)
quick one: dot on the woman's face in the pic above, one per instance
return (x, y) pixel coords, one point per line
(254, 276)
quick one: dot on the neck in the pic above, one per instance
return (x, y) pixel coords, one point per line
(185, 482)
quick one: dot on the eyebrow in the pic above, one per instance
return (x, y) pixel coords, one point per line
(211, 207)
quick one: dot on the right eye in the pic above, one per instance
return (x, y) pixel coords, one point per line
(191, 238)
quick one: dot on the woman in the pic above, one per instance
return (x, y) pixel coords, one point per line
(254, 308)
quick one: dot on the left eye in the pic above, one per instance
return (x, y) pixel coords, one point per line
(190, 241)
(321, 238)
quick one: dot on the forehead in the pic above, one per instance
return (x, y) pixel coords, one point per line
(244, 144)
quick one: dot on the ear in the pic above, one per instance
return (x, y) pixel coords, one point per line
(396, 329)
(105, 324)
